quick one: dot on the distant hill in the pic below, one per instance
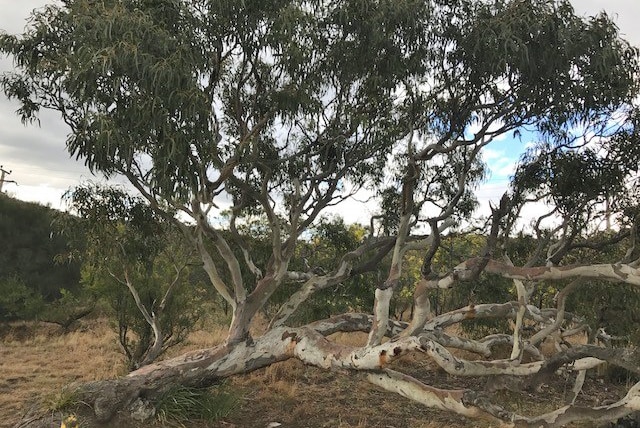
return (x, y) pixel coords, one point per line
(28, 247)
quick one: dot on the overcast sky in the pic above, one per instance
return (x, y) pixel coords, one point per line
(43, 169)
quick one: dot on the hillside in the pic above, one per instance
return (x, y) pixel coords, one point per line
(28, 247)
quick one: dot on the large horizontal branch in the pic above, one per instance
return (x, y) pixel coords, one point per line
(351, 322)
(461, 367)
(413, 389)
(617, 272)
(313, 348)
(628, 404)
(507, 310)
(614, 272)
(206, 366)
(476, 405)
(310, 345)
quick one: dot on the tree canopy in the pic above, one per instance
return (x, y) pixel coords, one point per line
(281, 109)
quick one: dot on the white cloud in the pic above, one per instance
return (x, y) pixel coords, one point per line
(500, 165)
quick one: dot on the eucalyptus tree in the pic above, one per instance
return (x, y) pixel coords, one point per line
(284, 108)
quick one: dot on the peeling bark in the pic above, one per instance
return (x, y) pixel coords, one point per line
(517, 346)
(380, 316)
(207, 366)
(421, 301)
(429, 396)
(313, 348)
(384, 293)
(491, 310)
(460, 367)
(422, 311)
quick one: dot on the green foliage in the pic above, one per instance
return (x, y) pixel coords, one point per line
(185, 84)
(614, 307)
(601, 304)
(17, 301)
(69, 308)
(572, 179)
(183, 404)
(284, 105)
(36, 282)
(543, 48)
(135, 334)
(146, 78)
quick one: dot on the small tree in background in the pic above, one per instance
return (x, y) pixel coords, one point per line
(134, 260)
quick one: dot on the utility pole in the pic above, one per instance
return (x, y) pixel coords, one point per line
(3, 174)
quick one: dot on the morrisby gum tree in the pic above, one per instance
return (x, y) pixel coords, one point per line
(284, 108)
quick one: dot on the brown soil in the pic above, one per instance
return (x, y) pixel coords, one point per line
(38, 361)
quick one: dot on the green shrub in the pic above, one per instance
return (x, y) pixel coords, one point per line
(17, 301)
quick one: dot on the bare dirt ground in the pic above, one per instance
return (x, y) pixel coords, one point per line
(37, 362)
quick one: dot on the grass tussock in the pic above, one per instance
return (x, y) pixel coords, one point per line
(61, 400)
(182, 404)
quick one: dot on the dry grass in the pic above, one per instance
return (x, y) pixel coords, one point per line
(37, 361)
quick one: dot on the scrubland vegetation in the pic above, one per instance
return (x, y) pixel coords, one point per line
(241, 124)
